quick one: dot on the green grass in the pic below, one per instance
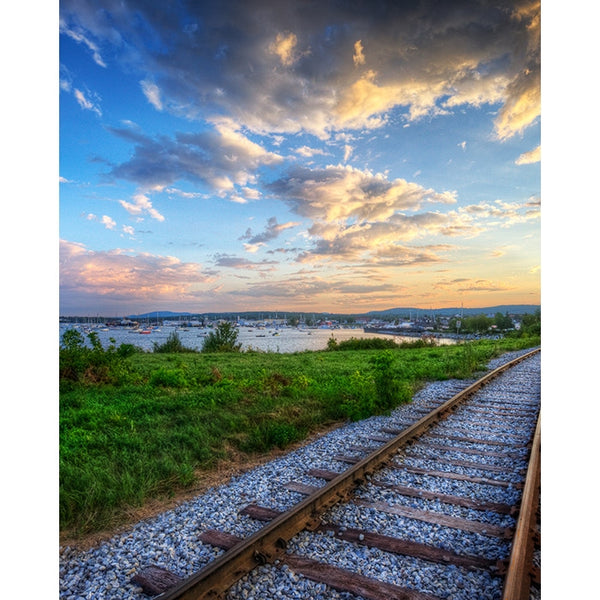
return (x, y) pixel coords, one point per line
(173, 416)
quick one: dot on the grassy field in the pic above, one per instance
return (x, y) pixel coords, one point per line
(142, 426)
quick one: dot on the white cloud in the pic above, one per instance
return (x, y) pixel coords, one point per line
(141, 204)
(108, 222)
(253, 248)
(251, 193)
(343, 193)
(527, 158)
(80, 37)
(152, 94)
(86, 103)
(92, 277)
(307, 152)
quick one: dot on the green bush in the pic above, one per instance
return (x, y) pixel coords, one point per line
(81, 363)
(222, 339)
(173, 344)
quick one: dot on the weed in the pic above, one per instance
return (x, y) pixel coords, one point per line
(385, 383)
(271, 434)
(360, 402)
(174, 378)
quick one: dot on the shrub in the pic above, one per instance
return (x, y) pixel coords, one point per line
(426, 342)
(362, 344)
(222, 339)
(72, 355)
(173, 344)
(81, 363)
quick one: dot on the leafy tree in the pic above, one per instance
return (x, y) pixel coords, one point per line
(475, 324)
(503, 322)
(222, 339)
(532, 324)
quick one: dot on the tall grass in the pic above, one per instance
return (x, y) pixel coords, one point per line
(173, 416)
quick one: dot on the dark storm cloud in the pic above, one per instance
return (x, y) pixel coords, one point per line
(322, 66)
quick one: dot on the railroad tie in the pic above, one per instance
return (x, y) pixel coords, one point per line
(505, 509)
(491, 453)
(373, 540)
(437, 518)
(155, 580)
(471, 440)
(458, 476)
(465, 463)
(339, 579)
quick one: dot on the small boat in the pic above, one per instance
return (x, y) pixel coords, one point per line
(145, 331)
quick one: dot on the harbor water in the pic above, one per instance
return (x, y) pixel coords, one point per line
(281, 340)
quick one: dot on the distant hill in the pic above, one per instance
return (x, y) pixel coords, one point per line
(513, 309)
(161, 314)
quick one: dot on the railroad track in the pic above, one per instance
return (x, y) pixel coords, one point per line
(440, 507)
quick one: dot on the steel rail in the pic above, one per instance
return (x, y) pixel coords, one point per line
(517, 582)
(269, 543)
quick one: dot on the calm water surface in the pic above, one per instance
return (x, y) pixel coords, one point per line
(284, 340)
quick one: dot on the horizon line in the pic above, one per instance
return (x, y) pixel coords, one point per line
(285, 311)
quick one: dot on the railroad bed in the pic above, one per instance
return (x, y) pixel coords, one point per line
(435, 522)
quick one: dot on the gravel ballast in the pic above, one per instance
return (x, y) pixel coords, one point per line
(170, 540)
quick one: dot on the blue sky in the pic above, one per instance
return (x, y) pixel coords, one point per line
(298, 156)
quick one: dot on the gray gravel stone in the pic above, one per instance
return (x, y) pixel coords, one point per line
(170, 540)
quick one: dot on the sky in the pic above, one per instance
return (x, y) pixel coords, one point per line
(310, 156)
